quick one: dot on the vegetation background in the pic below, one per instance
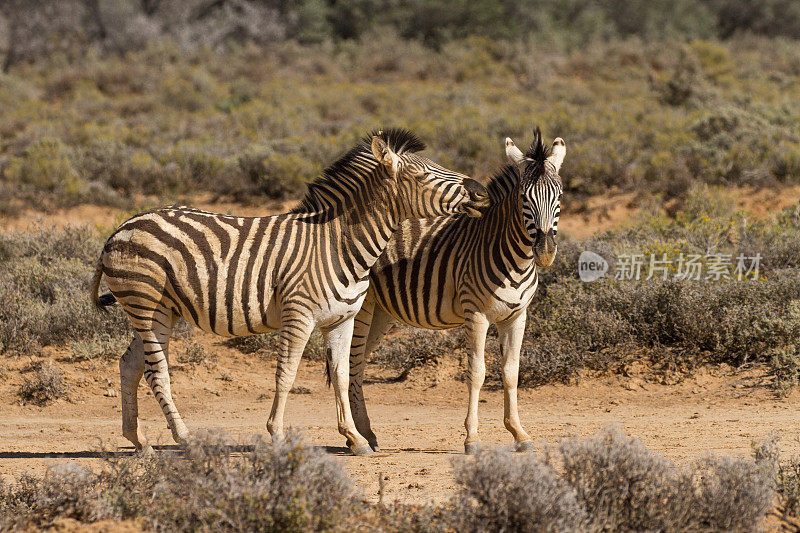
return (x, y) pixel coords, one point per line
(137, 103)
(682, 104)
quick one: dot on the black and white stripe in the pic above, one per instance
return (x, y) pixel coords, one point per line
(246, 275)
(452, 271)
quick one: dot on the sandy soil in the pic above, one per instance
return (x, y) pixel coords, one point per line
(419, 422)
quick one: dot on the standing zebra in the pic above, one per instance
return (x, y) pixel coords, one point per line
(452, 271)
(242, 276)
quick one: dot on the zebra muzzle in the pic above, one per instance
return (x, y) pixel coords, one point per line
(478, 198)
(545, 248)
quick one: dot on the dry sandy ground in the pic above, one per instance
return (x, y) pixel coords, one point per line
(418, 422)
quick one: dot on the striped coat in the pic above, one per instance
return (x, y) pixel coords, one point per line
(245, 275)
(452, 271)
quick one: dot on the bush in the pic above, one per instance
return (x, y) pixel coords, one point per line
(45, 278)
(286, 486)
(194, 353)
(47, 385)
(611, 482)
(45, 166)
(246, 123)
(785, 364)
(416, 348)
(499, 491)
(100, 346)
(788, 486)
(676, 324)
(608, 481)
(269, 343)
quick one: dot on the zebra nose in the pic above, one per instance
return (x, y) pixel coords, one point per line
(475, 189)
(478, 195)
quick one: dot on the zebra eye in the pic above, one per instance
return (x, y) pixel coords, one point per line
(420, 174)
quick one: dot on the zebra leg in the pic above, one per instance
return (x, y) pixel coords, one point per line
(510, 333)
(156, 373)
(295, 332)
(131, 368)
(337, 343)
(477, 326)
(371, 324)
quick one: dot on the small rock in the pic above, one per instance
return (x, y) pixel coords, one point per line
(111, 393)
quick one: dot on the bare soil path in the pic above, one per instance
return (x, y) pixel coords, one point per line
(419, 422)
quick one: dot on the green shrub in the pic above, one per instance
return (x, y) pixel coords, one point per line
(45, 166)
(675, 324)
(255, 123)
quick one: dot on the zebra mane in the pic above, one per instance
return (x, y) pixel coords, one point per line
(536, 155)
(347, 175)
(505, 179)
(502, 183)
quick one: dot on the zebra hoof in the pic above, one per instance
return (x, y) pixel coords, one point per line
(145, 451)
(472, 448)
(375, 447)
(525, 446)
(361, 449)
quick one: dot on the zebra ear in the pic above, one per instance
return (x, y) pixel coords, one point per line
(559, 151)
(385, 156)
(514, 154)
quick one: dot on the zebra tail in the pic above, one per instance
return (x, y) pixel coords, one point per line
(328, 371)
(100, 302)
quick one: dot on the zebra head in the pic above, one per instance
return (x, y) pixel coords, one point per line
(541, 190)
(426, 189)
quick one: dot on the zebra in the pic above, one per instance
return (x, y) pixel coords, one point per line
(236, 276)
(451, 271)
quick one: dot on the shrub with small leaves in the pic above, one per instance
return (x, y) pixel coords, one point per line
(98, 346)
(214, 484)
(269, 344)
(416, 348)
(498, 491)
(195, 353)
(47, 385)
(611, 482)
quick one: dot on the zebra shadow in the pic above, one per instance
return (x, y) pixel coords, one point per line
(130, 451)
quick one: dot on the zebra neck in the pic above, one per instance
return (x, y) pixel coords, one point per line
(365, 233)
(513, 239)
